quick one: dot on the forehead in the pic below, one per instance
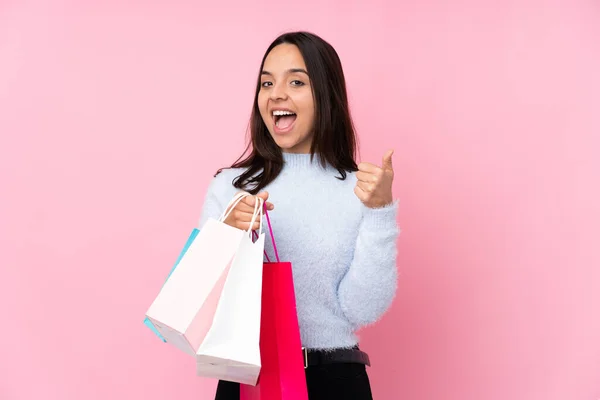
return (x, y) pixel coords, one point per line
(283, 57)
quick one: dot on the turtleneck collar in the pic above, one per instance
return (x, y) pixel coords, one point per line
(301, 161)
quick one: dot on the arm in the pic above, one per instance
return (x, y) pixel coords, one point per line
(369, 286)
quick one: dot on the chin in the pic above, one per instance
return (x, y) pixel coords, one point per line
(284, 143)
(290, 142)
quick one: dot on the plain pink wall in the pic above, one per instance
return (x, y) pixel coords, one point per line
(114, 117)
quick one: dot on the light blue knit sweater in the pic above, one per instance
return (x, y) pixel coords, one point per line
(343, 254)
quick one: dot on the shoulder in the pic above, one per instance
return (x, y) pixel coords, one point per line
(227, 175)
(223, 180)
(222, 183)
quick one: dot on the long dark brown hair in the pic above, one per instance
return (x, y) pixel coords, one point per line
(334, 138)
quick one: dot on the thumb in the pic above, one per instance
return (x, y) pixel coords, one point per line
(263, 195)
(251, 200)
(387, 160)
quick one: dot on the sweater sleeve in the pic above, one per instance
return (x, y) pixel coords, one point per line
(368, 288)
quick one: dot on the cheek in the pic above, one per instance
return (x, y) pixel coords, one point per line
(310, 114)
(308, 109)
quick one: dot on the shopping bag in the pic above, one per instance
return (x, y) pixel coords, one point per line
(183, 311)
(282, 376)
(231, 349)
(190, 240)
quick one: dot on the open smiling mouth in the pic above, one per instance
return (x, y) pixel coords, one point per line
(283, 120)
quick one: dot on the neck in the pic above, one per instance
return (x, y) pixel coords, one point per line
(301, 160)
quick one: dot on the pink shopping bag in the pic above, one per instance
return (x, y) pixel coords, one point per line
(282, 376)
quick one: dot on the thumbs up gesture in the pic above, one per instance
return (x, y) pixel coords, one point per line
(374, 184)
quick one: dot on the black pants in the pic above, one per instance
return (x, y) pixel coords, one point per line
(325, 382)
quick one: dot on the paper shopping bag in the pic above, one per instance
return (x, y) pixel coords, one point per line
(183, 311)
(282, 376)
(187, 245)
(231, 349)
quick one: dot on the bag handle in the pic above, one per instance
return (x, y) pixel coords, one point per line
(255, 235)
(233, 204)
(258, 210)
(258, 207)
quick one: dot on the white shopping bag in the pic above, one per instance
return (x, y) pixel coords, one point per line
(185, 307)
(231, 349)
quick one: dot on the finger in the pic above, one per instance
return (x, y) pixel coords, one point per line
(362, 196)
(263, 195)
(246, 225)
(366, 177)
(243, 206)
(248, 206)
(365, 187)
(249, 201)
(243, 216)
(367, 167)
(387, 161)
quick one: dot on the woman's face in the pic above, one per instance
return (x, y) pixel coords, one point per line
(285, 99)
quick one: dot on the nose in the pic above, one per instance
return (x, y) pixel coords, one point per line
(278, 91)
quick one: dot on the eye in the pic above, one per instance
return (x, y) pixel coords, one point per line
(297, 83)
(266, 84)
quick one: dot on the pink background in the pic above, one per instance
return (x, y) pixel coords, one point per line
(114, 117)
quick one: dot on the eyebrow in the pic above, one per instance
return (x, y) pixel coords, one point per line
(289, 71)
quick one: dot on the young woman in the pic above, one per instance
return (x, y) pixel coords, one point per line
(335, 220)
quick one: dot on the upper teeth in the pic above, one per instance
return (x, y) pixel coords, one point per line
(282, 112)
